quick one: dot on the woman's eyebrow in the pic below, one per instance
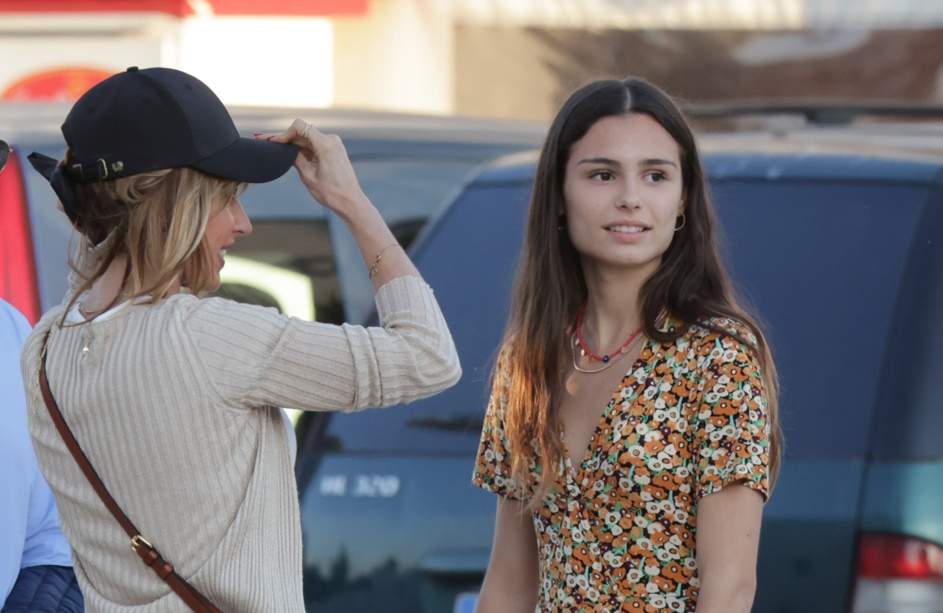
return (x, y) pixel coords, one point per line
(599, 160)
(658, 162)
(611, 162)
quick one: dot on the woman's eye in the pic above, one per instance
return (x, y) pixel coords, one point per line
(602, 175)
(656, 176)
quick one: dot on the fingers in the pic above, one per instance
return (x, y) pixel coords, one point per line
(292, 135)
(303, 134)
(304, 129)
(322, 162)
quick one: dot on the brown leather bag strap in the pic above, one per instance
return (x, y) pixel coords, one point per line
(147, 552)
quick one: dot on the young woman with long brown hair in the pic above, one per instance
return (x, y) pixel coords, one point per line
(632, 433)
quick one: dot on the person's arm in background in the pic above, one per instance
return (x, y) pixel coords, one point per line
(29, 526)
(15, 476)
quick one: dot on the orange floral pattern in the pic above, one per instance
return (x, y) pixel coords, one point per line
(617, 533)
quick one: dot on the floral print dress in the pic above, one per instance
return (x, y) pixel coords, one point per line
(617, 532)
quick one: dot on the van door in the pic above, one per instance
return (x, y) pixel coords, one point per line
(900, 546)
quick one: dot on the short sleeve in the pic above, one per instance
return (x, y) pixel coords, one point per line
(493, 463)
(731, 427)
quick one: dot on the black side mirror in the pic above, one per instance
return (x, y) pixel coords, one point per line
(4, 153)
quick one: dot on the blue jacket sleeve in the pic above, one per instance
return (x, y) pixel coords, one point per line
(29, 527)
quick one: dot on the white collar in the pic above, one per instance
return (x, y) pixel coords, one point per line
(74, 316)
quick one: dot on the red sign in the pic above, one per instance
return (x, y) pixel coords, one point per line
(59, 85)
(182, 8)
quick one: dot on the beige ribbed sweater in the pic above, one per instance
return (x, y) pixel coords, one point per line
(173, 404)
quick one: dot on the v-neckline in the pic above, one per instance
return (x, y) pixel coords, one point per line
(574, 471)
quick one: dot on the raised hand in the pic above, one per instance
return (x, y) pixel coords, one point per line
(324, 168)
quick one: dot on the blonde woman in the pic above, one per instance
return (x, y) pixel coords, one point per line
(172, 396)
(632, 435)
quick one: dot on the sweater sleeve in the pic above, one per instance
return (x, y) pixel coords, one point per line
(255, 356)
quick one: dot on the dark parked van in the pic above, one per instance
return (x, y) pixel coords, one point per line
(835, 236)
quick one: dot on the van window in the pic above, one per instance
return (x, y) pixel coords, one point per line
(820, 261)
(469, 260)
(406, 191)
(51, 230)
(286, 264)
(306, 262)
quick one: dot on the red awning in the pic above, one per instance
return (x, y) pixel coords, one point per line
(182, 8)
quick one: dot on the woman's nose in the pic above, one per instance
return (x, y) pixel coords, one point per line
(243, 223)
(629, 196)
(629, 199)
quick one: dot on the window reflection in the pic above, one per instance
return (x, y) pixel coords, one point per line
(286, 264)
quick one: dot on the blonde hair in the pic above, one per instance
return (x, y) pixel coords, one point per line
(158, 221)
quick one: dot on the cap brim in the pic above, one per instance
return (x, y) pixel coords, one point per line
(250, 160)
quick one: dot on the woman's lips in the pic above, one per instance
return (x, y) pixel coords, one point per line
(627, 233)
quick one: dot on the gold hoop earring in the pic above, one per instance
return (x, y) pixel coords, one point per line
(684, 220)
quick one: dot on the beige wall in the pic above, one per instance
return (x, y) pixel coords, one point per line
(528, 72)
(503, 72)
(398, 57)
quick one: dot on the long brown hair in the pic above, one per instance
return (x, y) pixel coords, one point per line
(158, 220)
(690, 283)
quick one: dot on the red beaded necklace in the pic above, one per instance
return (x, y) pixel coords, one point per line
(584, 346)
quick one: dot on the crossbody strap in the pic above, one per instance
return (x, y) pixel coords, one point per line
(147, 552)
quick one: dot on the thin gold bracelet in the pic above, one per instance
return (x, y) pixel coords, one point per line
(376, 261)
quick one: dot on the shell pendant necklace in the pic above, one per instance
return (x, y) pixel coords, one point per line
(88, 336)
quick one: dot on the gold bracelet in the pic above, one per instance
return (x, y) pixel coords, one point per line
(376, 261)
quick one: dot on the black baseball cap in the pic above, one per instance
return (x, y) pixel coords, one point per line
(155, 118)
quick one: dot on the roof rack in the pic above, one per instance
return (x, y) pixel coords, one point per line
(817, 111)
